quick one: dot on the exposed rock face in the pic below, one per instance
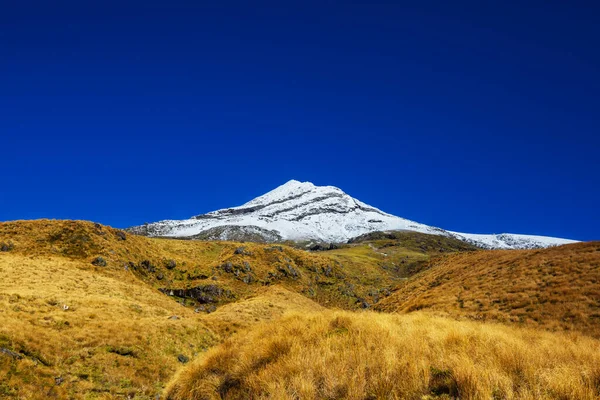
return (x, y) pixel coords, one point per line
(202, 294)
(302, 211)
(6, 246)
(99, 262)
(10, 353)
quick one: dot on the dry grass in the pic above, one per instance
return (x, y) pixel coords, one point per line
(114, 340)
(556, 288)
(273, 303)
(342, 355)
(339, 279)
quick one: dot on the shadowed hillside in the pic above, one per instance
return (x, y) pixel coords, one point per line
(555, 288)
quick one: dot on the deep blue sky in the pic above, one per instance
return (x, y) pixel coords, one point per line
(478, 116)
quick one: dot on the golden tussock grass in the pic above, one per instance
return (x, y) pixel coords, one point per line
(271, 304)
(556, 288)
(81, 333)
(343, 355)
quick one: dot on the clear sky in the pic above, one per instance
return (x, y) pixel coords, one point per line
(478, 116)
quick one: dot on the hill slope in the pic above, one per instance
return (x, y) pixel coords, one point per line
(207, 274)
(555, 288)
(72, 327)
(302, 211)
(68, 330)
(328, 355)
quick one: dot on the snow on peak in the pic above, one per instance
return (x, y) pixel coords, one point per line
(289, 189)
(303, 211)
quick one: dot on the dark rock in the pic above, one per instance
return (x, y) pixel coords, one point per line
(58, 380)
(99, 262)
(198, 276)
(122, 351)
(10, 353)
(363, 303)
(121, 235)
(160, 276)
(248, 279)
(182, 359)
(99, 230)
(328, 271)
(274, 248)
(247, 266)
(211, 309)
(323, 247)
(288, 270)
(242, 251)
(171, 264)
(347, 290)
(227, 267)
(6, 246)
(147, 265)
(203, 294)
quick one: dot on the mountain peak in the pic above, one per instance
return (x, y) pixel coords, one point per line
(303, 211)
(294, 183)
(290, 190)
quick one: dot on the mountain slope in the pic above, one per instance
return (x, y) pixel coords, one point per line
(302, 211)
(555, 288)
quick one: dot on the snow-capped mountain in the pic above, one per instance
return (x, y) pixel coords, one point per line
(302, 211)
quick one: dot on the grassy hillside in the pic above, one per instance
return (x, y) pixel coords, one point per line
(555, 288)
(82, 311)
(68, 331)
(342, 355)
(202, 274)
(92, 312)
(271, 304)
(402, 253)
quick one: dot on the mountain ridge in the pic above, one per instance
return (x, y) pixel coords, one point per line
(301, 211)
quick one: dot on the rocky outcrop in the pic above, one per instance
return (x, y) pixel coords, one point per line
(203, 294)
